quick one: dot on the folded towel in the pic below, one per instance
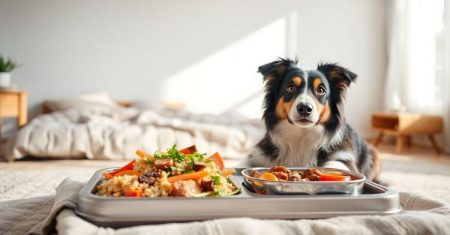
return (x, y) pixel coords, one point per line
(421, 215)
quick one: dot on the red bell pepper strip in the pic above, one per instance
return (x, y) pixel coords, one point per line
(129, 166)
(189, 150)
(329, 177)
(128, 172)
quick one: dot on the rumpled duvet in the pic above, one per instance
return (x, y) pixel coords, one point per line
(117, 133)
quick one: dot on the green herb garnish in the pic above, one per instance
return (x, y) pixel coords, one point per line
(195, 157)
(216, 180)
(171, 153)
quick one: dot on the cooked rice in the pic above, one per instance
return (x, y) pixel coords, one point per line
(117, 186)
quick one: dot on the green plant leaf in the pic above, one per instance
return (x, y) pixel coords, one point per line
(7, 65)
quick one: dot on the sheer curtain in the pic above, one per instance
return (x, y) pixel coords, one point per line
(446, 77)
(417, 73)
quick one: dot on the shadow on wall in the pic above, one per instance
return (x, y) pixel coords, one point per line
(227, 81)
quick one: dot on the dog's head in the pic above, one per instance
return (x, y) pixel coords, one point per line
(305, 98)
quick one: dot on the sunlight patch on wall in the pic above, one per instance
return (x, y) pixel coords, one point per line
(227, 80)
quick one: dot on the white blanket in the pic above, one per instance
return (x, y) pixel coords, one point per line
(422, 215)
(115, 133)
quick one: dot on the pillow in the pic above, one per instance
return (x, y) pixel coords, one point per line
(100, 97)
(97, 101)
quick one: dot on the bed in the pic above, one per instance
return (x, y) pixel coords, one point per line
(96, 127)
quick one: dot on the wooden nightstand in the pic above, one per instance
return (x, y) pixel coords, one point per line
(403, 125)
(13, 104)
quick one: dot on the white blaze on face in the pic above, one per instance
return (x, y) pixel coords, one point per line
(305, 97)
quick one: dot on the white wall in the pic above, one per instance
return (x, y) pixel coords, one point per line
(204, 53)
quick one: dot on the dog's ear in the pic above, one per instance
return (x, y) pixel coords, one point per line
(275, 69)
(337, 74)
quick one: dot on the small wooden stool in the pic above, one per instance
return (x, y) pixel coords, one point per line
(403, 125)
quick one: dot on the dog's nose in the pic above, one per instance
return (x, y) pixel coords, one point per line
(304, 109)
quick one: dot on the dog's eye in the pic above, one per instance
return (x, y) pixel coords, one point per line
(291, 88)
(321, 90)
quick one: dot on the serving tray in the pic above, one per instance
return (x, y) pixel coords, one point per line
(126, 211)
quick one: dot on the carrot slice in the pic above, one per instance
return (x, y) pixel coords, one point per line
(268, 176)
(188, 176)
(107, 175)
(189, 150)
(227, 172)
(218, 160)
(143, 154)
(330, 177)
(132, 193)
(128, 172)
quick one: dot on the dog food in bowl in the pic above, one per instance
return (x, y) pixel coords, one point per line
(181, 173)
(302, 181)
(282, 173)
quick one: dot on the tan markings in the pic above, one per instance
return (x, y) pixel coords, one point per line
(281, 114)
(316, 83)
(288, 106)
(325, 114)
(297, 81)
(324, 111)
(283, 108)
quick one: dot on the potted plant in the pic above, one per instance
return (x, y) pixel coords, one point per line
(6, 66)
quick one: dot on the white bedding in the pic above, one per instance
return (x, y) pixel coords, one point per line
(115, 133)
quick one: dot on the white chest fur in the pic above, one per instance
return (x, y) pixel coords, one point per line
(297, 146)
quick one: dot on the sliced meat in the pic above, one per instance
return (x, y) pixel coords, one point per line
(279, 169)
(255, 174)
(198, 166)
(207, 185)
(150, 177)
(145, 179)
(281, 175)
(312, 174)
(185, 188)
(163, 164)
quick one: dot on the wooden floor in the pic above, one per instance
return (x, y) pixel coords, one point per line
(414, 152)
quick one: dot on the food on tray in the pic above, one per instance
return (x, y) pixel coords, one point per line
(183, 173)
(281, 173)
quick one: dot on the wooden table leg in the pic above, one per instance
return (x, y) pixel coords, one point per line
(435, 145)
(22, 110)
(408, 141)
(399, 143)
(378, 139)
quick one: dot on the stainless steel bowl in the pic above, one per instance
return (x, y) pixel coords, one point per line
(261, 186)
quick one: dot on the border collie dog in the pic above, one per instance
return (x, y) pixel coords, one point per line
(304, 118)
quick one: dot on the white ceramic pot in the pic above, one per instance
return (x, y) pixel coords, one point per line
(5, 79)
